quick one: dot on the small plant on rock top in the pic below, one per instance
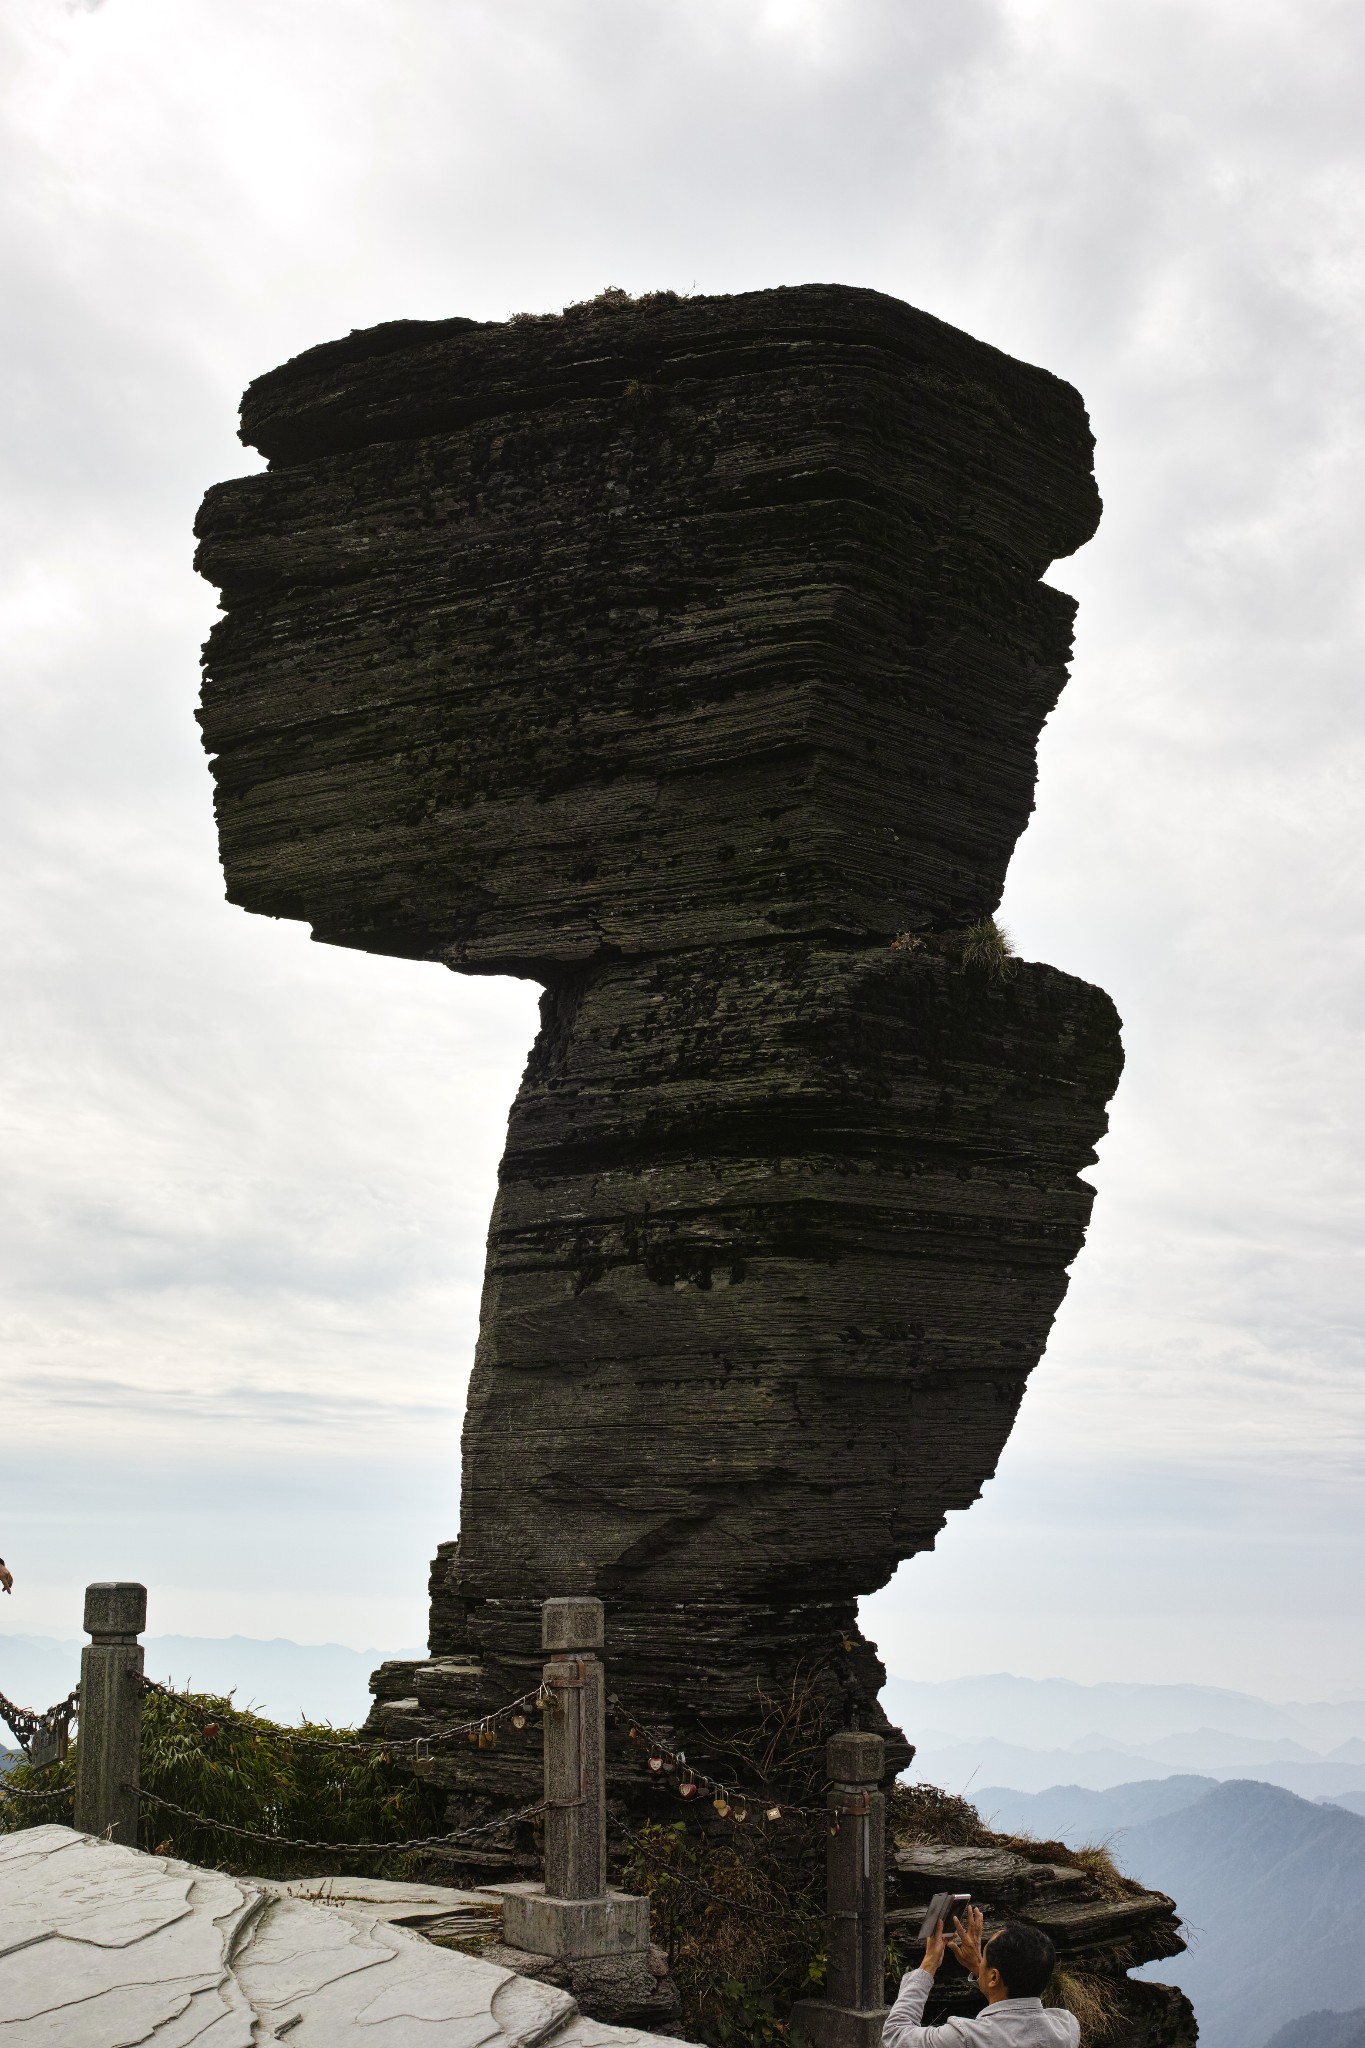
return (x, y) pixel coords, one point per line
(986, 947)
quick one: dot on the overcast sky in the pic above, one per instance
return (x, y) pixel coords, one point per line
(246, 1179)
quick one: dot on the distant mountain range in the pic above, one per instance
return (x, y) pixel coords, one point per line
(1079, 1815)
(1323, 2030)
(1050, 1713)
(1271, 1889)
(964, 1766)
(288, 1681)
(1029, 1734)
(1032, 1734)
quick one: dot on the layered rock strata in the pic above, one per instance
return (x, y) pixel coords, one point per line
(689, 657)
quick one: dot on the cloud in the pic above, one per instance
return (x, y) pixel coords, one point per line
(248, 1178)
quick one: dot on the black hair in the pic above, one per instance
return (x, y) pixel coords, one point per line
(1024, 1956)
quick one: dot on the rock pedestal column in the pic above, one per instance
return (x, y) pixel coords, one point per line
(689, 657)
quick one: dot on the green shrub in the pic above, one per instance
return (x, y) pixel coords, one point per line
(739, 1906)
(202, 1752)
(739, 1912)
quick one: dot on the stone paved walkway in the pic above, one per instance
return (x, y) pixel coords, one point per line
(104, 1947)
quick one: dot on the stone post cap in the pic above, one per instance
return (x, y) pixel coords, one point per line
(572, 1624)
(115, 1607)
(855, 1759)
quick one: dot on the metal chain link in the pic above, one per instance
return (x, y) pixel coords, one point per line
(420, 1745)
(228, 1827)
(765, 1797)
(26, 1724)
(8, 1791)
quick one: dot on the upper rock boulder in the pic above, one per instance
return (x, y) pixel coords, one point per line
(656, 623)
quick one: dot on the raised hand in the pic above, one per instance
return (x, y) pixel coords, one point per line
(933, 1949)
(966, 1940)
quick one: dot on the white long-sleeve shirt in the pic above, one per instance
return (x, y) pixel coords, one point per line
(1010, 2023)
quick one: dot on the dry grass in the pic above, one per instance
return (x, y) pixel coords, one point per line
(923, 1813)
(981, 948)
(1091, 2000)
(1098, 1859)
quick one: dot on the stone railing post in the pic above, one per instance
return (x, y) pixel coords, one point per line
(853, 2010)
(108, 1755)
(573, 1914)
(575, 1750)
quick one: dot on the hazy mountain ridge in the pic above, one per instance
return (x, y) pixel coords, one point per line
(1053, 1713)
(967, 1765)
(1323, 2030)
(1272, 1890)
(1033, 1734)
(1079, 1814)
(286, 1680)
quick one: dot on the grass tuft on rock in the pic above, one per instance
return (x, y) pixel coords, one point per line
(1090, 2000)
(986, 948)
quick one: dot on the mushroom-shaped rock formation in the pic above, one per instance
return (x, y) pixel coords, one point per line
(689, 656)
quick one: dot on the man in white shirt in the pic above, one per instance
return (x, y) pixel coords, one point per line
(1010, 1969)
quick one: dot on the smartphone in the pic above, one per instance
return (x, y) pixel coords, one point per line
(944, 1907)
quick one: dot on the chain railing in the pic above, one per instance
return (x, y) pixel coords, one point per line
(42, 1736)
(227, 1827)
(764, 1800)
(482, 1732)
(107, 1799)
(8, 1791)
(575, 1912)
